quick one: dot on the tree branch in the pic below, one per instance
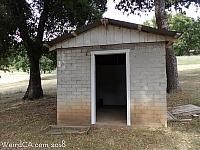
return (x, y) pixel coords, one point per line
(20, 13)
(43, 19)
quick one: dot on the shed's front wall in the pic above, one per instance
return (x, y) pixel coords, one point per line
(73, 87)
(148, 84)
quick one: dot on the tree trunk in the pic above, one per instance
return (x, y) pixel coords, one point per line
(172, 73)
(161, 16)
(34, 90)
(171, 62)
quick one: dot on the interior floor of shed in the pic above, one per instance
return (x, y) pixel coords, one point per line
(111, 115)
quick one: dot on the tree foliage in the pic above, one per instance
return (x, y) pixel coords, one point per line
(190, 29)
(30, 22)
(189, 41)
(137, 6)
(19, 61)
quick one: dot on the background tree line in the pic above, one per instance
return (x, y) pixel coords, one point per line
(189, 42)
(17, 60)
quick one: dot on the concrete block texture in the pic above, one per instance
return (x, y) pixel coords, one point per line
(73, 87)
(147, 84)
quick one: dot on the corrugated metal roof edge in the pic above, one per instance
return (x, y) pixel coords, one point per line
(106, 21)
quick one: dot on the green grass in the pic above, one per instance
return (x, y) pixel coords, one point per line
(188, 60)
(190, 83)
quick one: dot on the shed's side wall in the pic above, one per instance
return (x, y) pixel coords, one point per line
(148, 85)
(73, 87)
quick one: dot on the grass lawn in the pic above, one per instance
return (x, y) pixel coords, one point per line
(24, 120)
(188, 60)
(190, 83)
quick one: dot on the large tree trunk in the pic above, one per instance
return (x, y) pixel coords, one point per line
(33, 45)
(172, 73)
(34, 90)
(161, 16)
(171, 62)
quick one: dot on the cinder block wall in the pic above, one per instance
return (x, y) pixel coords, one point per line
(148, 85)
(73, 87)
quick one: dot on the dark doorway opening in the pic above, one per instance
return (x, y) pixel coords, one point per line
(111, 98)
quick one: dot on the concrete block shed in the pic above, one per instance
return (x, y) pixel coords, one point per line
(112, 72)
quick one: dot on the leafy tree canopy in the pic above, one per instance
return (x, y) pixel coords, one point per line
(30, 22)
(190, 28)
(137, 6)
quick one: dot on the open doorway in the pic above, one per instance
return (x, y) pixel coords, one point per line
(111, 93)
